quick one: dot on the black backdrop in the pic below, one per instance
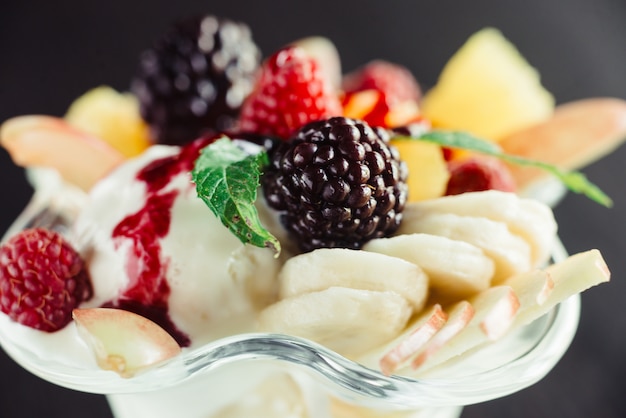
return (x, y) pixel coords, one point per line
(52, 51)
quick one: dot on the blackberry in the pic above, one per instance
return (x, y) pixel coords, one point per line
(337, 183)
(195, 78)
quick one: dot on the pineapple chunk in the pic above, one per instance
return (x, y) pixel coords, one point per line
(111, 116)
(428, 171)
(488, 89)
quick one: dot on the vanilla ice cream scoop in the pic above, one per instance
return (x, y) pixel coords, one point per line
(153, 247)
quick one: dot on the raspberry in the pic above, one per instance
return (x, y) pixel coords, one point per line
(291, 91)
(476, 174)
(394, 81)
(337, 183)
(195, 78)
(42, 279)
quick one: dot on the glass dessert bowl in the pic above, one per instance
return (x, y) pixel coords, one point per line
(389, 307)
(210, 379)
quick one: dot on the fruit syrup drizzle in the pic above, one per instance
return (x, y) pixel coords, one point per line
(148, 291)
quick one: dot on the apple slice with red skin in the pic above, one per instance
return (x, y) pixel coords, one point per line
(577, 134)
(459, 317)
(533, 288)
(571, 276)
(46, 141)
(539, 292)
(416, 335)
(122, 341)
(494, 313)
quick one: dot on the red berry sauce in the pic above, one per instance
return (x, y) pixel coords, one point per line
(148, 291)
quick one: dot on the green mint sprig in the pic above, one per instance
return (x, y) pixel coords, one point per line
(227, 179)
(573, 180)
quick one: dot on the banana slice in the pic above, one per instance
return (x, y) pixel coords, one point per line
(454, 268)
(255, 271)
(329, 267)
(510, 253)
(527, 218)
(349, 321)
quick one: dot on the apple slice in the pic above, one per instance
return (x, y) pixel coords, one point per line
(122, 341)
(494, 313)
(533, 288)
(45, 141)
(342, 267)
(455, 269)
(571, 276)
(417, 333)
(459, 317)
(349, 321)
(561, 280)
(578, 133)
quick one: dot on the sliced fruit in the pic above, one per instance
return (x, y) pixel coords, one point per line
(548, 288)
(355, 269)
(455, 269)
(532, 288)
(532, 220)
(494, 313)
(417, 333)
(403, 113)
(373, 107)
(360, 104)
(122, 341)
(255, 271)
(488, 89)
(459, 317)
(579, 133)
(428, 170)
(510, 253)
(111, 116)
(571, 276)
(45, 141)
(349, 321)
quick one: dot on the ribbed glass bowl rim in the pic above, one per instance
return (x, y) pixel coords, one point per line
(338, 375)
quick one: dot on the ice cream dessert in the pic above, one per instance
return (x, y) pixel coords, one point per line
(336, 212)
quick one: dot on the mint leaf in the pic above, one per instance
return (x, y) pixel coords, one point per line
(227, 179)
(573, 180)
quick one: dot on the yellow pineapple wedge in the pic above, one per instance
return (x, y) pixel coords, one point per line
(428, 170)
(488, 89)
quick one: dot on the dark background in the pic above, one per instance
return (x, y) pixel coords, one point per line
(53, 51)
